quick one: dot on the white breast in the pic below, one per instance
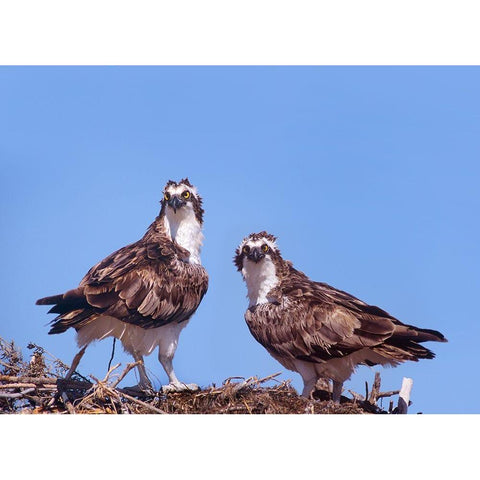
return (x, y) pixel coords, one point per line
(260, 278)
(185, 229)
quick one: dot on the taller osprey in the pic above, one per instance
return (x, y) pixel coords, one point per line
(145, 293)
(315, 329)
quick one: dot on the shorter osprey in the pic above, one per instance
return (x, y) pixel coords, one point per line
(145, 293)
(315, 329)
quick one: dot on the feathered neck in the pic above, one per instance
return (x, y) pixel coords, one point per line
(182, 229)
(260, 278)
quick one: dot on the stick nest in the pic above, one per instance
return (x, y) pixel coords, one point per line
(37, 387)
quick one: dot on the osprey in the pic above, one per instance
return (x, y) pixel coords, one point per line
(145, 293)
(315, 329)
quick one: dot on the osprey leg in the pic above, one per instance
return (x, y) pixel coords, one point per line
(309, 377)
(337, 391)
(144, 383)
(309, 387)
(174, 384)
(71, 371)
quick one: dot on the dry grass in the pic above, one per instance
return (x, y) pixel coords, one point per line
(37, 387)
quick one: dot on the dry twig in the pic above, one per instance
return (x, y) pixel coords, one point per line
(39, 387)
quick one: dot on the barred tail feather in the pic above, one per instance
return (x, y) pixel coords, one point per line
(75, 319)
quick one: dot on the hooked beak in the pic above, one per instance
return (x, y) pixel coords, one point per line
(175, 203)
(255, 255)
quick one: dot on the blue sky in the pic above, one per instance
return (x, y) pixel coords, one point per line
(368, 176)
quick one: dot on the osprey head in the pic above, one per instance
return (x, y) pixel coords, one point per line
(181, 197)
(255, 248)
(257, 259)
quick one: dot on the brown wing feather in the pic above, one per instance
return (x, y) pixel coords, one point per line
(146, 284)
(316, 322)
(309, 330)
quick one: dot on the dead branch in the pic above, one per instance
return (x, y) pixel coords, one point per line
(17, 385)
(375, 389)
(44, 381)
(37, 387)
(17, 395)
(35, 380)
(269, 377)
(356, 396)
(13, 367)
(388, 394)
(143, 404)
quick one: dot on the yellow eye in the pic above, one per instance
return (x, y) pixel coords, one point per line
(265, 248)
(246, 249)
(186, 194)
(166, 196)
